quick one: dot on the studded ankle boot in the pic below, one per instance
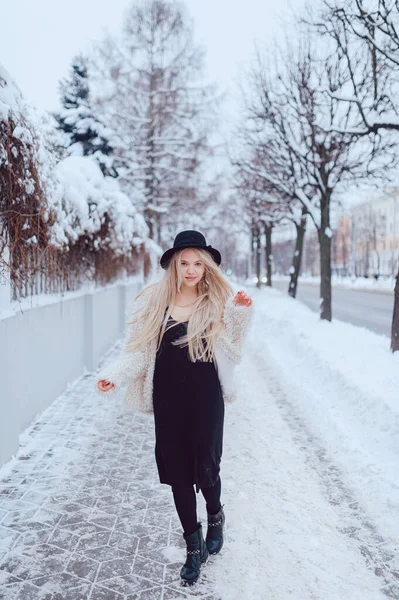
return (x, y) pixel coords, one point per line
(197, 554)
(214, 536)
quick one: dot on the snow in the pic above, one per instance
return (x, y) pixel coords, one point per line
(309, 469)
(386, 284)
(83, 197)
(328, 232)
(37, 300)
(27, 129)
(11, 99)
(344, 380)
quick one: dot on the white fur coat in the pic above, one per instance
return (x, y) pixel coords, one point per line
(136, 369)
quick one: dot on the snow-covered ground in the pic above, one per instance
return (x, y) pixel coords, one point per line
(383, 284)
(310, 479)
(317, 453)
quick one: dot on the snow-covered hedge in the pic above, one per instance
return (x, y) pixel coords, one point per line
(83, 199)
(61, 218)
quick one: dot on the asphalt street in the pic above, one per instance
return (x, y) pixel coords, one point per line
(372, 310)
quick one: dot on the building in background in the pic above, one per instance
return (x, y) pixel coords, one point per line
(341, 245)
(373, 229)
(365, 241)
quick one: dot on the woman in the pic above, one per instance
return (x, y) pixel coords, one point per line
(184, 340)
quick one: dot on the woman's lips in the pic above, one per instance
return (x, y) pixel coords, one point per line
(191, 278)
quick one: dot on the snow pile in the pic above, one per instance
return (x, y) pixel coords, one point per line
(27, 128)
(84, 198)
(360, 283)
(12, 102)
(344, 382)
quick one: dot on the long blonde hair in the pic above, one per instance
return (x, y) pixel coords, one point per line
(205, 322)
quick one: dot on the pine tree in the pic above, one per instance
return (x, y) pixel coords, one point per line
(86, 135)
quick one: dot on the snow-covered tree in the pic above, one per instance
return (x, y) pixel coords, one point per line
(150, 89)
(24, 166)
(85, 134)
(265, 207)
(301, 130)
(365, 39)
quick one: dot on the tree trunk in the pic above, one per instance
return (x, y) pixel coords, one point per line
(324, 234)
(269, 253)
(257, 255)
(297, 258)
(395, 319)
(253, 251)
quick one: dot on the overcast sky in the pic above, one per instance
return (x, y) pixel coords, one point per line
(40, 37)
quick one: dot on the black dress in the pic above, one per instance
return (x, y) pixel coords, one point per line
(189, 415)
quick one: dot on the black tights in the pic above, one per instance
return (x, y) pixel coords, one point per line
(186, 503)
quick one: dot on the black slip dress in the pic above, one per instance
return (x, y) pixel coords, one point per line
(188, 414)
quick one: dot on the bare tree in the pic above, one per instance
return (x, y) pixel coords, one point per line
(365, 34)
(302, 132)
(265, 206)
(279, 205)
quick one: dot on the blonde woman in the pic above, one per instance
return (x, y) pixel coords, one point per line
(184, 341)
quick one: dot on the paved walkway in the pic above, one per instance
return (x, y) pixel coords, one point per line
(82, 515)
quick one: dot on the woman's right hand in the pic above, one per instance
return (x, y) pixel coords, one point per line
(105, 385)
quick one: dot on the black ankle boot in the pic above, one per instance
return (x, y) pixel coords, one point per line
(214, 536)
(197, 554)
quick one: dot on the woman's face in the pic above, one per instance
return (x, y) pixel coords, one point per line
(191, 267)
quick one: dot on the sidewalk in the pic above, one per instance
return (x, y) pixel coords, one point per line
(82, 515)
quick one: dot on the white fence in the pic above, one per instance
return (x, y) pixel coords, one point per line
(46, 347)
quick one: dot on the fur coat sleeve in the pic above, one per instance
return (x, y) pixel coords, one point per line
(129, 365)
(236, 319)
(228, 351)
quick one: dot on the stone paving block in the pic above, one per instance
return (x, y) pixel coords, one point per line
(83, 567)
(35, 497)
(158, 519)
(150, 569)
(32, 538)
(152, 594)
(129, 584)
(64, 539)
(93, 540)
(102, 593)
(123, 541)
(63, 585)
(170, 594)
(116, 567)
(8, 538)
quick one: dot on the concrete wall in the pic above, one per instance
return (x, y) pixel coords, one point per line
(44, 348)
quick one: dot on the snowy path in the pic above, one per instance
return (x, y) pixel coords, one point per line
(289, 535)
(312, 531)
(82, 516)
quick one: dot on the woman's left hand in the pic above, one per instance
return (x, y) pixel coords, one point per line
(242, 299)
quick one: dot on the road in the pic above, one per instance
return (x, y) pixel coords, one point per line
(366, 309)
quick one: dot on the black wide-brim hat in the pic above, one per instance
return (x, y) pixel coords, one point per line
(189, 239)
